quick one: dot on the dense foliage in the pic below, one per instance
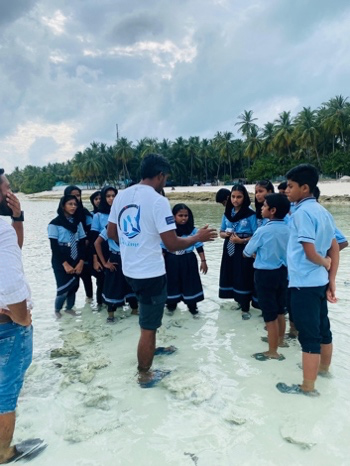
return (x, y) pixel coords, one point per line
(321, 137)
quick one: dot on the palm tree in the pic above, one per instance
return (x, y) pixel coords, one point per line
(124, 152)
(253, 144)
(306, 131)
(337, 117)
(225, 148)
(284, 128)
(246, 122)
(268, 134)
(192, 150)
(150, 146)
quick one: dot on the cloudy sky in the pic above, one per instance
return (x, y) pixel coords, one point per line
(71, 70)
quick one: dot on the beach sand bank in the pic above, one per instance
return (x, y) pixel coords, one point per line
(334, 192)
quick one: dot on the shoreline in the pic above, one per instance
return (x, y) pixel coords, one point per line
(332, 192)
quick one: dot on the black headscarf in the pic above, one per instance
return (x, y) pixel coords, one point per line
(104, 207)
(92, 198)
(82, 212)
(62, 220)
(188, 227)
(267, 185)
(245, 211)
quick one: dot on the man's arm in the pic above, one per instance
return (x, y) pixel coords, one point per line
(19, 313)
(175, 243)
(15, 206)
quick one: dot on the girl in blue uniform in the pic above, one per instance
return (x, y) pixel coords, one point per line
(116, 290)
(67, 240)
(262, 189)
(85, 218)
(99, 222)
(95, 200)
(236, 272)
(183, 280)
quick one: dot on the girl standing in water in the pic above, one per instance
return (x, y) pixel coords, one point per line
(183, 280)
(99, 222)
(262, 189)
(85, 218)
(236, 272)
(67, 240)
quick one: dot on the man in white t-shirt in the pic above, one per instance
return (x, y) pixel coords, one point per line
(140, 219)
(16, 332)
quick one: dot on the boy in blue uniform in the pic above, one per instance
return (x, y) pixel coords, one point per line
(312, 259)
(269, 243)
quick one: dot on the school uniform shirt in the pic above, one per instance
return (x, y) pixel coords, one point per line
(340, 238)
(112, 245)
(13, 285)
(99, 221)
(244, 226)
(310, 223)
(270, 245)
(190, 248)
(141, 215)
(63, 238)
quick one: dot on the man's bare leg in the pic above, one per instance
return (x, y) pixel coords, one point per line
(7, 427)
(145, 352)
(326, 358)
(311, 364)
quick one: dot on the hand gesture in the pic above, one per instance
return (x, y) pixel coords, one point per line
(206, 234)
(13, 203)
(79, 267)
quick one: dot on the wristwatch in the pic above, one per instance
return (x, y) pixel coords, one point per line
(20, 218)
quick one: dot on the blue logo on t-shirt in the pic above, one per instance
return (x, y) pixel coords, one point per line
(129, 220)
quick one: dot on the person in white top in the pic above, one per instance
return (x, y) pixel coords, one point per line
(140, 219)
(16, 332)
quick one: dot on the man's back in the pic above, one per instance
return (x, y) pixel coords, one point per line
(141, 214)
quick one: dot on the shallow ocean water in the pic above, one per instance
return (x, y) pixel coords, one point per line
(219, 406)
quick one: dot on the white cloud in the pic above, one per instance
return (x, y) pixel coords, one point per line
(56, 23)
(15, 147)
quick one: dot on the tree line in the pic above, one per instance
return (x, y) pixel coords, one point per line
(320, 136)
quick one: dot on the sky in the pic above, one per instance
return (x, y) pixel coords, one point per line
(71, 70)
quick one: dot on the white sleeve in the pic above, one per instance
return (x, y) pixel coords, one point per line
(163, 216)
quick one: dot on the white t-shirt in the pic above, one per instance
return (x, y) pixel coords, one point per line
(141, 214)
(13, 286)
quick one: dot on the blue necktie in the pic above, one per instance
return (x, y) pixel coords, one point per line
(73, 246)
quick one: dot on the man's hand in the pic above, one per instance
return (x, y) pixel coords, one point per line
(206, 234)
(13, 203)
(18, 313)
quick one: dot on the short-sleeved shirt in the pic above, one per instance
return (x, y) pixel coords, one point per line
(190, 248)
(269, 243)
(339, 236)
(13, 286)
(246, 225)
(63, 235)
(112, 245)
(141, 215)
(99, 221)
(310, 223)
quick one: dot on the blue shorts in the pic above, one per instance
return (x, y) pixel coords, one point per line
(151, 294)
(310, 313)
(16, 351)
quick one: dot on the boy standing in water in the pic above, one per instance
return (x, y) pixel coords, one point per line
(269, 243)
(312, 259)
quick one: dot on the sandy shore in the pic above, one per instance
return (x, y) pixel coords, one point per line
(331, 192)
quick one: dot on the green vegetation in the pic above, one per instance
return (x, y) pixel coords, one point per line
(321, 137)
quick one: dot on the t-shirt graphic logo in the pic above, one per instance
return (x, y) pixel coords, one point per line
(129, 220)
